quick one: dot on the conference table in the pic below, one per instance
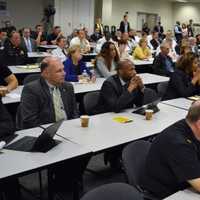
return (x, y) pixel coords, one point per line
(38, 54)
(184, 195)
(103, 132)
(182, 103)
(15, 95)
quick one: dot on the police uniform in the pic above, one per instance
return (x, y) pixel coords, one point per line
(173, 159)
(13, 55)
(4, 73)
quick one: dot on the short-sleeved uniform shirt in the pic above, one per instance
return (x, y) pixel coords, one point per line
(4, 73)
(173, 159)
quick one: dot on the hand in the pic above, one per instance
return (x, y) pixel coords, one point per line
(93, 78)
(132, 85)
(40, 33)
(3, 91)
(139, 82)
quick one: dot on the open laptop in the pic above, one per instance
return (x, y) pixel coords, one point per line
(153, 106)
(43, 143)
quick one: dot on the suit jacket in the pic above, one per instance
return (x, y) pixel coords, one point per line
(180, 86)
(156, 28)
(33, 45)
(6, 124)
(37, 108)
(155, 44)
(122, 27)
(159, 65)
(114, 97)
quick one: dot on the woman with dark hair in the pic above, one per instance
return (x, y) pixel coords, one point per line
(185, 81)
(107, 59)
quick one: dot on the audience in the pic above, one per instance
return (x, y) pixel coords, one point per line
(142, 52)
(13, 54)
(145, 28)
(163, 64)
(107, 60)
(124, 25)
(185, 81)
(74, 65)
(98, 26)
(173, 161)
(154, 42)
(81, 41)
(95, 36)
(178, 32)
(123, 90)
(159, 28)
(39, 36)
(60, 51)
(56, 33)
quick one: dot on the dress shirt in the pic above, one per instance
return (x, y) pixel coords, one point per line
(58, 52)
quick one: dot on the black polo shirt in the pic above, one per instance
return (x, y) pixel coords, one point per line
(13, 55)
(4, 73)
(51, 37)
(173, 159)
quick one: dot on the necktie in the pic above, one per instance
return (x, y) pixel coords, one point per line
(57, 102)
(29, 45)
(64, 52)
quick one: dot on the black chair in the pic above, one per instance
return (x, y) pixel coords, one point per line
(162, 88)
(149, 96)
(106, 28)
(114, 191)
(90, 102)
(31, 77)
(133, 158)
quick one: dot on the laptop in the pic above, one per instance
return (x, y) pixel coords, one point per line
(43, 143)
(153, 106)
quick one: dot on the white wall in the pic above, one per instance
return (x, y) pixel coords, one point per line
(74, 14)
(119, 7)
(184, 11)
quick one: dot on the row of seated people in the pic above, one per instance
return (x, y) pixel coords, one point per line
(124, 90)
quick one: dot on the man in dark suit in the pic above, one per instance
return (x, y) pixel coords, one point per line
(125, 25)
(123, 90)
(163, 64)
(47, 100)
(159, 28)
(38, 100)
(27, 43)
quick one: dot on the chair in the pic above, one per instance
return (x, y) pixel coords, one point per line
(162, 88)
(106, 28)
(133, 158)
(31, 77)
(149, 96)
(115, 191)
(90, 102)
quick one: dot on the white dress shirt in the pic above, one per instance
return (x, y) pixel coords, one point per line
(58, 52)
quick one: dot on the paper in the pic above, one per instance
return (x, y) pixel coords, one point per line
(122, 119)
(13, 95)
(194, 98)
(27, 66)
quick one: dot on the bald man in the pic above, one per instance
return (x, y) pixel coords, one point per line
(49, 98)
(173, 161)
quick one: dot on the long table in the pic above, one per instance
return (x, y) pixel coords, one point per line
(15, 95)
(184, 195)
(103, 132)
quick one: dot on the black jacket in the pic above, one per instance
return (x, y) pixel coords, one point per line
(114, 97)
(122, 27)
(180, 86)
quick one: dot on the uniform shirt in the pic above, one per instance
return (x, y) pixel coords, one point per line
(173, 159)
(4, 73)
(51, 37)
(43, 37)
(13, 55)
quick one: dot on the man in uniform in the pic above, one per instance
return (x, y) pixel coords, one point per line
(173, 161)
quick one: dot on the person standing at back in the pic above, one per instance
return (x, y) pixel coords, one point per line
(124, 25)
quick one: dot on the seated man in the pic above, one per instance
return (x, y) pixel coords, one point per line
(39, 36)
(123, 90)
(56, 33)
(13, 54)
(8, 80)
(49, 98)
(163, 64)
(173, 161)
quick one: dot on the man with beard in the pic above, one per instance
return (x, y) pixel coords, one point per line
(123, 90)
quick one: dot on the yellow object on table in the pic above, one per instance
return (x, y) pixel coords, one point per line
(122, 119)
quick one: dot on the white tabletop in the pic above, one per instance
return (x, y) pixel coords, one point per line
(16, 162)
(182, 103)
(104, 133)
(48, 46)
(148, 78)
(24, 69)
(144, 62)
(184, 195)
(38, 54)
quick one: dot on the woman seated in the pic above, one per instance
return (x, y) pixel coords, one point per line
(74, 67)
(185, 81)
(107, 60)
(142, 51)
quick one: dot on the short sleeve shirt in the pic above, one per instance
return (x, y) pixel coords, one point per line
(173, 159)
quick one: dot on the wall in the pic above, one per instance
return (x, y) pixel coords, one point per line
(184, 11)
(119, 7)
(25, 12)
(74, 14)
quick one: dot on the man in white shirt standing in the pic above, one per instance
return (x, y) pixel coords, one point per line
(60, 51)
(81, 41)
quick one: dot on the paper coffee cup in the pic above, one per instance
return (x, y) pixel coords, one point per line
(148, 114)
(85, 120)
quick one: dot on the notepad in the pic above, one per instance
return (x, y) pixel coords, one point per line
(122, 119)
(13, 95)
(27, 66)
(194, 98)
